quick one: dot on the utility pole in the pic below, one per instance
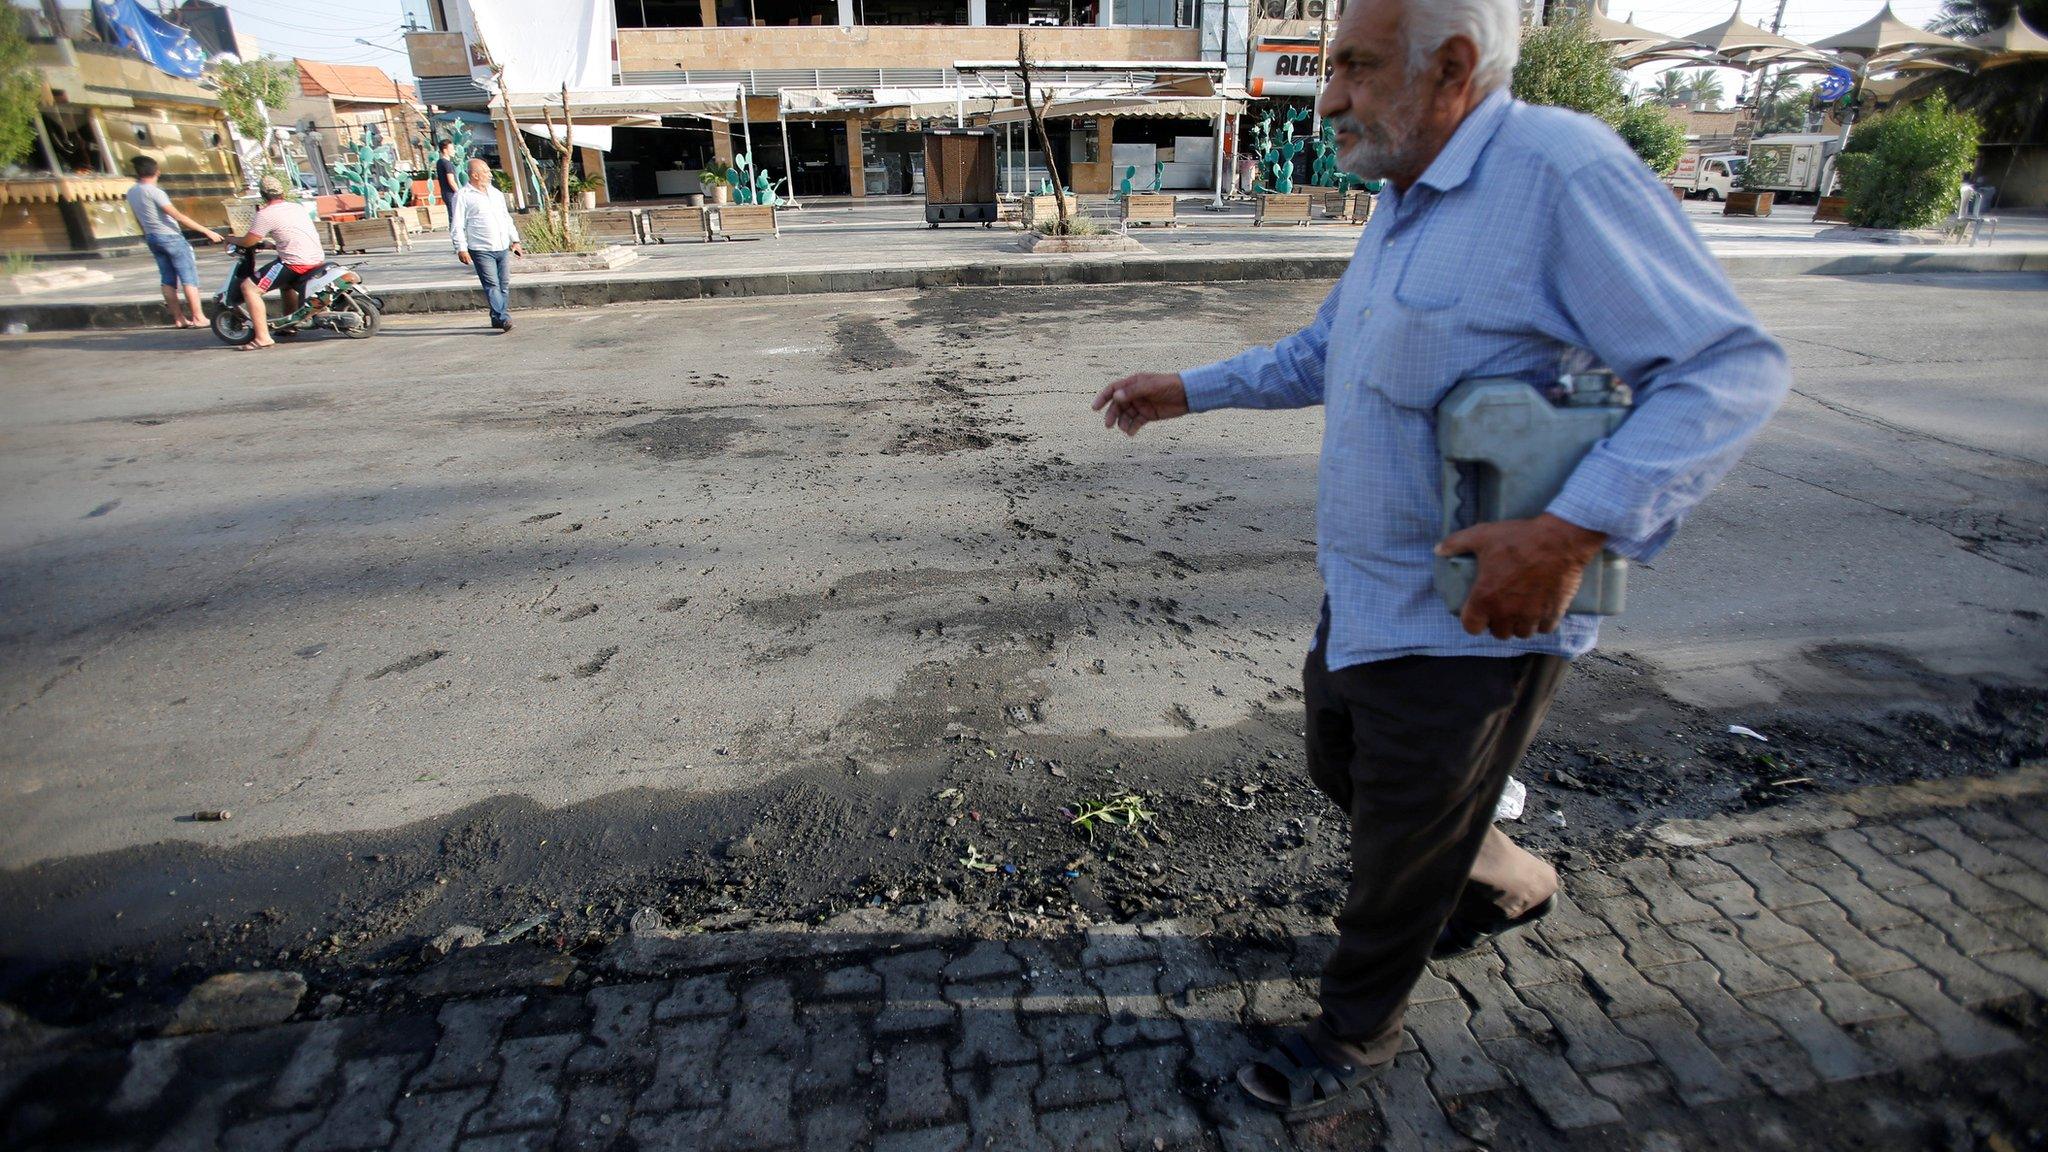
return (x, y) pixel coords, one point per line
(1315, 123)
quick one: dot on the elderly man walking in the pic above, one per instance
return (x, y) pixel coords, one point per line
(1512, 241)
(481, 229)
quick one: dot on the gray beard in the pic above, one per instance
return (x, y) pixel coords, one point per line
(1379, 153)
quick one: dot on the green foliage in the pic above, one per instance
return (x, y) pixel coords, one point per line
(1905, 168)
(1703, 89)
(2012, 99)
(1073, 226)
(21, 91)
(547, 232)
(1563, 65)
(1672, 87)
(243, 85)
(501, 180)
(712, 177)
(1652, 134)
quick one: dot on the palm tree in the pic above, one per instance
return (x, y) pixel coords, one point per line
(2010, 100)
(1671, 88)
(1704, 89)
(1784, 103)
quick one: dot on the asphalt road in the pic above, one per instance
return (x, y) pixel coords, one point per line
(350, 585)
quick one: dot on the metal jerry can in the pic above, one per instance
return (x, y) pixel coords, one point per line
(1507, 449)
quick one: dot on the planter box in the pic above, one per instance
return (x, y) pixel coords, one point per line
(748, 222)
(1037, 208)
(1149, 208)
(431, 217)
(1045, 245)
(603, 260)
(1831, 210)
(384, 233)
(611, 225)
(1354, 207)
(660, 225)
(1282, 208)
(1748, 204)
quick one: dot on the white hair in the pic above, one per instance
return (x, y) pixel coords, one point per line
(1493, 26)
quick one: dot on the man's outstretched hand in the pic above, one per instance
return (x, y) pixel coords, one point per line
(1138, 400)
(1528, 573)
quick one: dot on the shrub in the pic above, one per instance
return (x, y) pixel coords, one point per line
(1653, 135)
(546, 232)
(1905, 169)
(1564, 66)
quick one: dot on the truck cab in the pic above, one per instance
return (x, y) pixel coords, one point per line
(1709, 175)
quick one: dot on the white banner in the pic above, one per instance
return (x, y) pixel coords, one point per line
(1284, 67)
(540, 45)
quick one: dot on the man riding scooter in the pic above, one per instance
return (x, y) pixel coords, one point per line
(285, 227)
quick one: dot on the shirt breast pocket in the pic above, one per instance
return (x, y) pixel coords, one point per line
(1420, 352)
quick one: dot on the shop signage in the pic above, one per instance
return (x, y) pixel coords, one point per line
(1284, 66)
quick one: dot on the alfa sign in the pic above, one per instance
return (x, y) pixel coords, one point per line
(1284, 67)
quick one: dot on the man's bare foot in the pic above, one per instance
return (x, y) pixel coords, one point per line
(256, 344)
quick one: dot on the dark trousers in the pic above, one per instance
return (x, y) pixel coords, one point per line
(1416, 751)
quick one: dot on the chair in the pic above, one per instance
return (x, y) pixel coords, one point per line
(1969, 220)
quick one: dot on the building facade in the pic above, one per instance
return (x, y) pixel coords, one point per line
(101, 108)
(858, 46)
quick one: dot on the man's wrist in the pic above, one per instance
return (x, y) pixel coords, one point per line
(1584, 543)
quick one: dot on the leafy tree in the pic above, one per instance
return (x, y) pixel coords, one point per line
(1652, 134)
(1671, 88)
(1563, 65)
(1703, 89)
(244, 85)
(1784, 104)
(21, 91)
(2012, 99)
(1905, 168)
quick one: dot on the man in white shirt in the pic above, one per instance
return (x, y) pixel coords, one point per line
(481, 229)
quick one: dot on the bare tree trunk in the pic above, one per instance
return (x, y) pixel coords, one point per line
(1037, 114)
(568, 156)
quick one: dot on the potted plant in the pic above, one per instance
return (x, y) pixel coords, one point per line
(715, 185)
(584, 188)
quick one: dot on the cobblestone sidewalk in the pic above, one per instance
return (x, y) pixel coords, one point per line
(1668, 986)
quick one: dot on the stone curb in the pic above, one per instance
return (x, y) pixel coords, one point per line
(1053, 271)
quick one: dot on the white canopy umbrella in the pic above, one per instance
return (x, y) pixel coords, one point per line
(1883, 34)
(2009, 43)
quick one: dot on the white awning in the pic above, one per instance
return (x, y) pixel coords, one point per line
(909, 103)
(628, 105)
(1150, 107)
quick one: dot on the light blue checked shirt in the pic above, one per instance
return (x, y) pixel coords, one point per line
(1534, 239)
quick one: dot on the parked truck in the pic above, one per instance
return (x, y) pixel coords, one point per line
(1711, 175)
(1791, 165)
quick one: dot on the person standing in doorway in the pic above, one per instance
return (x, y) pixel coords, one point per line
(481, 229)
(1513, 241)
(444, 174)
(175, 265)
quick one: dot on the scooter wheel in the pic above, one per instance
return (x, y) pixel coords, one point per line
(233, 326)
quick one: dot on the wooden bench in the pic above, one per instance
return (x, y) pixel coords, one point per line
(661, 225)
(386, 231)
(1748, 204)
(1149, 208)
(1282, 208)
(430, 217)
(611, 225)
(748, 222)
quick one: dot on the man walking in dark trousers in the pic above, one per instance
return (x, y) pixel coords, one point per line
(1512, 241)
(444, 173)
